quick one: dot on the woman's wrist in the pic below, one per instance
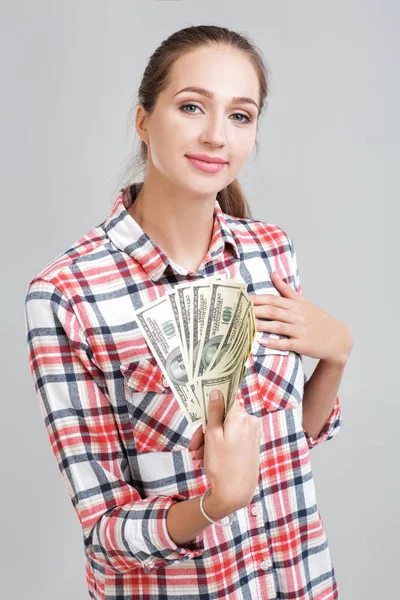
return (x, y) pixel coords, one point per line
(216, 508)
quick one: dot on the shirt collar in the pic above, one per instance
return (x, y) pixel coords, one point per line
(128, 236)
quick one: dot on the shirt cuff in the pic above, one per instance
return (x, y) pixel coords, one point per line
(330, 428)
(164, 550)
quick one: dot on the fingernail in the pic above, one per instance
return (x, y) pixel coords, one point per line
(214, 394)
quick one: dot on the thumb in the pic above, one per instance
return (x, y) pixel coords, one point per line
(216, 409)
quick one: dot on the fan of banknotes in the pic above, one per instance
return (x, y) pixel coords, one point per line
(201, 334)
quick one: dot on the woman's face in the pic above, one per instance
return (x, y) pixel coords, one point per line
(214, 126)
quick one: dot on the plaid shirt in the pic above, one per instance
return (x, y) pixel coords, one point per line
(121, 441)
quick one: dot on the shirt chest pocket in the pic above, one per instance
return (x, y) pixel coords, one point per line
(158, 423)
(278, 379)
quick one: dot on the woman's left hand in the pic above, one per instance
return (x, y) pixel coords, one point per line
(311, 331)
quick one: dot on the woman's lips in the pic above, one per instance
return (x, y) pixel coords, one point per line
(206, 166)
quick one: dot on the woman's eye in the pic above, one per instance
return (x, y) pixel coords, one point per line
(186, 105)
(247, 119)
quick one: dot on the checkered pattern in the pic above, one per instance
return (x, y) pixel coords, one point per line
(121, 441)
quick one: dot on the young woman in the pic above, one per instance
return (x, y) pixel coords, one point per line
(238, 519)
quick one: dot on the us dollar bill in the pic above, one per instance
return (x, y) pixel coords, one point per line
(158, 325)
(201, 334)
(223, 297)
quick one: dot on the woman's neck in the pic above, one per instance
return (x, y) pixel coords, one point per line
(181, 227)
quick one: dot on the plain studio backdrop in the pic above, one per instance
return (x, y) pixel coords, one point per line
(327, 173)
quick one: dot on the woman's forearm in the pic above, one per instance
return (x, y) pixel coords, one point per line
(185, 521)
(320, 393)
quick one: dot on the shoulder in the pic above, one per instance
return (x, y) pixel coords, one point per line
(77, 258)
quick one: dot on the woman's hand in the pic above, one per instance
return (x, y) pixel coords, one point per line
(196, 446)
(311, 331)
(231, 456)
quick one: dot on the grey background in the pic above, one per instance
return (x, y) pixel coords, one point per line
(327, 174)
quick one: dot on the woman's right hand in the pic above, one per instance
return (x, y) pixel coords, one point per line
(231, 456)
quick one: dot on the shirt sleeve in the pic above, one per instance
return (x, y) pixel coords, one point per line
(334, 421)
(330, 428)
(121, 530)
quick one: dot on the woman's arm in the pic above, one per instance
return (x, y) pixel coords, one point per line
(121, 530)
(185, 521)
(320, 395)
(322, 416)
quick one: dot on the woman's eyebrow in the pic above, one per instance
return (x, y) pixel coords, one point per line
(209, 94)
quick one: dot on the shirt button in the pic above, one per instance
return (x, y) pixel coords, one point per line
(265, 564)
(165, 382)
(254, 511)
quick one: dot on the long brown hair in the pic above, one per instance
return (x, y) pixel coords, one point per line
(156, 78)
